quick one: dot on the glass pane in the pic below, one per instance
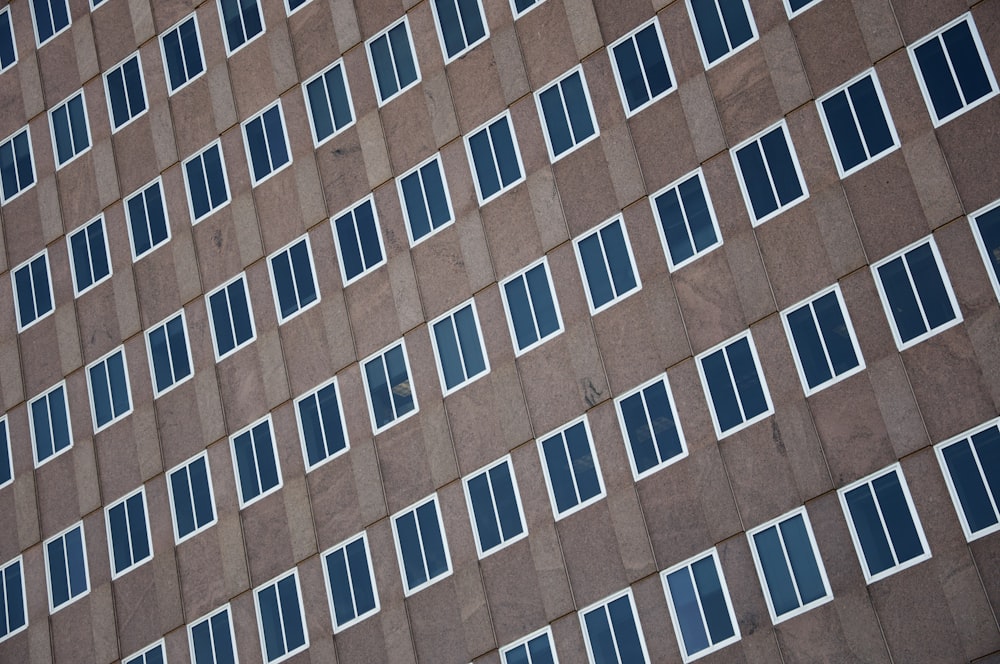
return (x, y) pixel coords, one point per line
(181, 492)
(214, 171)
(521, 316)
(506, 153)
(626, 633)
(685, 602)
(482, 507)
(779, 161)
(319, 107)
(989, 230)
(78, 124)
(748, 379)
(776, 572)
(368, 232)
(270, 622)
(340, 589)
(902, 302)
(803, 557)
(468, 339)
(364, 592)
(350, 249)
(734, 14)
(713, 38)
(241, 311)
(451, 28)
(556, 121)
(930, 285)
(432, 539)
(136, 508)
(506, 500)
(257, 146)
(267, 466)
(675, 230)
(899, 518)
(58, 581)
(75, 560)
(639, 436)
(100, 394)
(284, 287)
(808, 346)
(61, 437)
(558, 465)
(654, 64)
(713, 601)
(756, 180)
(619, 259)
(987, 444)
(434, 189)
(579, 110)
(416, 210)
(330, 410)
(178, 348)
(630, 72)
(378, 392)
(482, 159)
(846, 136)
(246, 465)
(201, 491)
(720, 386)
(399, 380)
(201, 638)
(584, 469)
(835, 333)
(602, 643)
(224, 339)
(133, 83)
(871, 116)
(275, 130)
(968, 65)
(668, 440)
(403, 55)
(542, 300)
(385, 72)
(938, 79)
(868, 526)
(291, 613)
(596, 272)
(116, 94)
(118, 523)
(302, 265)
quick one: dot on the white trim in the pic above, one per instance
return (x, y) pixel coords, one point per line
(629, 112)
(415, 171)
(48, 407)
(313, 393)
(713, 647)
(518, 352)
(142, 84)
(69, 122)
(581, 504)
(274, 290)
(557, 83)
(31, 157)
(163, 54)
(206, 618)
(184, 466)
(5, 436)
(409, 375)
(468, 45)
(524, 640)
(187, 347)
(363, 536)
(755, 140)
(289, 11)
(99, 219)
(445, 390)
(352, 211)
(792, 13)
(156, 182)
(662, 378)
(485, 127)
(976, 233)
(217, 143)
(19, 561)
(602, 605)
(407, 591)
(225, 34)
(34, 21)
(732, 51)
(117, 574)
(161, 644)
(350, 103)
(90, 388)
(21, 327)
(244, 502)
(939, 450)
(504, 543)
(48, 570)
(616, 296)
(675, 186)
(229, 309)
(413, 54)
(294, 573)
(518, 14)
(719, 434)
(13, 41)
(259, 116)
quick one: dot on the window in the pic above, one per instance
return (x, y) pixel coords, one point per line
(293, 279)
(734, 385)
(49, 422)
(211, 639)
(206, 182)
(328, 101)
(461, 25)
(971, 467)
(70, 129)
(572, 472)
(232, 318)
(986, 229)
(255, 462)
(148, 226)
(387, 383)
(169, 354)
(392, 60)
(182, 57)
(648, 419)
(154, 654)
(242, 21)
(495, 506)
(350, 582)
(723, 27)
(567, 113)
(129, 540)
(495, 158)
(191, 500)
(50, 17)
(292, 6)
(17, 168)
(522, 7)
(458, 347)
(822, 338)
(88, 249)
(13, 604)
(769, 173)
(6, 461)
(607, 265)
(110, 395)
(535, 648)
(916, 293)
(266, 142)
(686, 220)
(66, 567)
(32, 290)
(788, 565)
(795, 7)
(359, 240)
(952, 70)
(884, 525)
(280, 618)
(421, 545)
(532, 308)
(321, 424)
(426, 203)
(126, 92)
(612, 631)
(857, 123)
(8, 47)
(700, 608)
(642, 68)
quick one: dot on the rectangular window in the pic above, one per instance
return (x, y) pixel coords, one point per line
(293, 279)
(421, 545)
(607, 266)
(328, 101)
(182, 57)
(916, 293)
(211, 639)
(359, 240)
(154, 654)
(6, 461)
(192, 502)
(129, 540)
(532, 308)
(387, 382)
(986, 229)
(206, 182)
(700, 608)
(32, 290)
(232, 317)
(857, 123)
(148, 226)
(8, 47)
(88, 250)
(884, 526)
(521, 7)
(686, 220)
(110, 395)
(281, 618)
(461, 26)
(50, 17)
(169, 354)
(17, 165)
(572, 472)
(126, 92)
(266, 141)
(426, 202)
(350, 582)
(612, 631)
(769, 173)
(952, 70)
(255, 461)
(495, 506)
(70, 129)
(652, 432)
(51, 433)
(494, 157)
(788, 564)
(66, 567)
(458, 347)
(242, 21)
(641, 67)
(822, 338)
(971, 467)
(734, 385)
(723, 27)
(322, 430)
(13, 604)
(568, 115)
(795, 7)
(535, 648)
(392, 61)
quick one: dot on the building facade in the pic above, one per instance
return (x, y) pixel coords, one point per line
(499, 331)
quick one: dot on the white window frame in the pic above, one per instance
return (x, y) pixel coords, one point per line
(732, 51)
(225, 35)
(31, 423)
(445, 390)
(363, 536)
(493, 153)
(618, 297)
(302, 434)
(201, 51)
(26, 129)
(225, 180)
(141, 491)
(347, 90)
(107, 93)
(407, 591)
(368, 395)
(792, 13)
(161, 645)
(6, 604)
(149, 353)
(368, 269)
(405, 20)
(34, 21)
(949, 480)
(524, 640)
(415, 172)
(244, 503)
(661, 378)
(274, 288)
(782, 207)
(141, 192)
(700, 175)
(602, 604)
(629, 112)
(90, 389)
(289, 11)
(48, 277)
(13, 38)
(984, 252)
(5, 440)
(582, 504)
(829, 131)
(229, 308)
(99, 219)
(294, 573)
(712, 553)
(518, 352)
(259, 117)
(719, 434)
(518, 14)
(48, 570)
(448, 59)
(178, 538)
(504, 543)
(553, 158)
(189, 628)
(86, 125)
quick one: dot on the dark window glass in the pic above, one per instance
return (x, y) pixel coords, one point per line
(89, 251)
(734, 384)
(358, 240)
(51, 16)
(532, 307)
(650, 429)
(182, 53)
(567, 115)
(723, 25)
(425, 199)
(329, 102)
(8, 49)
(822, 340)
(953, 68)
(191, 492)
(147, 218)
(352, 587)
(420, 539)
(232, 323)
(642, 68)
(109, 388)
(255, 461)
(461, 24)
(393, 61)
(169, 354)
(50, 423)
(916, 292)
(322, 428)
(293, 280)
(241, 21)
(389, 389)
(572, 467)
(495, 511)
(769, 173)
(125, 91)
(280, 615)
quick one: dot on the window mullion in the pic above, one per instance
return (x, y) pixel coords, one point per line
(725, 27)
(420, 543)
(607, 264)
(611, 630)
(256, 462)
(649, 423)
(697, 597)
(788, 562)
(570, 467)
(982, 475)
(531, 305)
(562, 100)
(951, 69)
(885, 527)
(770, 175)
(732, 381)
(916, 293)
(426, 201)
(687, 219)
(822, 338)
(496, 161)
(857, 122)
(350, 582)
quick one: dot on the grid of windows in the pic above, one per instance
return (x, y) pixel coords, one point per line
(13, 602)
(321, 424)
(242, 21)
(567, 114)
(494, 157)
(17, 166)
(359, 240)
(266, 142)
(255, 461)
(971, 466)
(293, 279)
(769, 173)
(535, 648)
(51, 433)
(532, 309)
(328, 102)
(495, 507)
(387, 382)
(421, 545)
(182, 56)
(169, 354)
(612, 631)
(458, 347)
(6, 460)
(857, 123)
(686, 220)
(642, 68)
(607, 265)
(88, 250)
(700, 608)
(572, 473)
(734, 385)
(986, 229)
(393, 62)
(232, 318)
(8, 47)
(191, 500)
(126, 92)
(460, 24)
(110, 396)
(50, 18)
(32, 290)
(206, 182)
(211, 639)
(66, 567)
(129, 541)
(426, 203)
(70, 129)
(648, 419)
(148, 225)
(723, 27)
(281, 618)
(154, 654)
(350, 582)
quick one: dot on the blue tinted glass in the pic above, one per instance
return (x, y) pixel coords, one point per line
(197, 189)
(584, 468)
(266, 465)
(75, 560)
(274, 128)
(330, 410)
(416, 210)
(58, 581)
(233, 22)
(720, 386)
(598, 279)
(579, 109)
(653, 61)
(776, 571)
(661, 414)
(224, 337)
(451, 28)
(81, 261)
(869, 529)
(734, 14)
(523, 5)
(178, 348)
(201, 492)
(246, 465)
(41, 430)
(448, 354)
(385, 74)
(192, 48)
(371, 248)
(184, 515)
(25, 295)
(336, 567)
(378, 392)
(713, 37)
(756, 180)
(201, 640)
(930, 285)
(987, 444)
(965, 60)
(98, 250)
(543, 305)
(60, 14)
(556, 121)
(409, 547)
(846, 137)
(257, 146)
(619, 261)
(60, 425)
(938, 79)
(251, 18)
(638, 432)
(541, 650)
(312, 432)
(137, 219)
(320, 107)
(506, 153)
(339, 100)
(399, 380)
(78, 124)
(560, 476)
(482, 159)
(22, 154)
(8, 170)
(357, 560)
(518, 655)
(748, 380)
(119, 388)
(898, 517)
(403, 55)
(5, 465)
(630, 72)
(133, 84)
(291, 613)
(713, 601)
(868, 107)
(7, 52)
(506, 501)
(472, 19)
(602, 643)
(12, 603)
(117, 95)
(432, 539)
(61, 130)
(302, 266)
(136, 508)
(901, 299)
(682, 596)
(434, 188)
(809, 346)
(779, 161)
(161, 358)
(101, 394)
(835, 333)
(118, 523)
(216, 177)
(521, 316)
(626, 633)
(175, 59)
(803, 558)
(240, 311)
(483, 511)
(224, 653)
(350, 248)
(284, 287)
(988, 224)
(699, 216)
